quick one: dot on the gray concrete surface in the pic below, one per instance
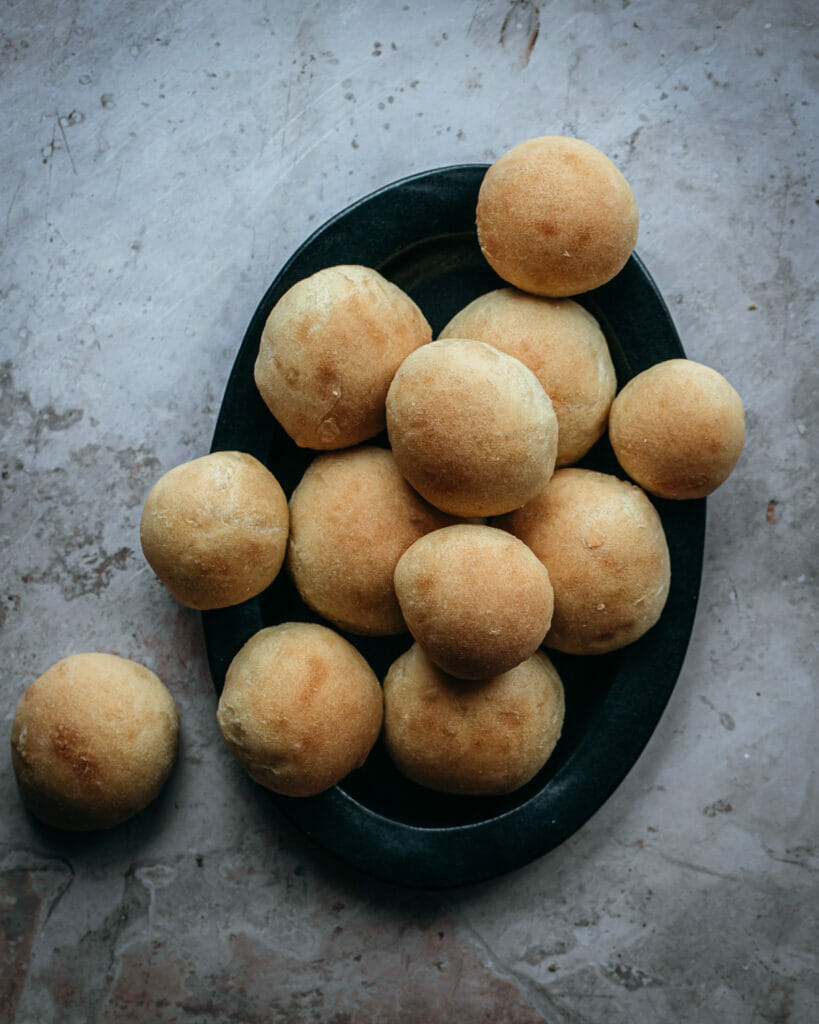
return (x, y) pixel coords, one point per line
(158, 163)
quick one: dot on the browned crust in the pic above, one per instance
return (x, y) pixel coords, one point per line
(328, 352)
(215, 530)
(352, 516)
(678, 429)
(603, 543)
(555, 217)
(563, 345)
(93, 740)
(300, 708)
(471, 428)
(474, 738)
(475, 598)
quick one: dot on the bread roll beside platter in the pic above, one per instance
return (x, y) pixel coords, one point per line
(93, 741)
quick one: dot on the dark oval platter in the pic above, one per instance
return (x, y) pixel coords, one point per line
(420, 233)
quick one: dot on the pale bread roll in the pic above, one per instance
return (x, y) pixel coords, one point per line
(471, 428)
(556, 217)
(300, 708)
(678, 429)
(352, 516)
(328, 352)
(214, 530)
(604, 546)
(475, 598)
(477, 738)
(563, 346)
(93, 741)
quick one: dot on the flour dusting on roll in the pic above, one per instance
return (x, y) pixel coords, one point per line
(300, 708)
(214, 530)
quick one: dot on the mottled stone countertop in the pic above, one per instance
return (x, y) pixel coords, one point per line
(158, 164)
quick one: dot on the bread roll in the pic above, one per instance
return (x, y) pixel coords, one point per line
(563, 346)
(476, 599)
(352, 516)
(678, 429)
(214, 530)
(471, 428)
(329, 350)
(473, 738)
(93, 741)
(603, 543)
(555, 217)
(300, 708)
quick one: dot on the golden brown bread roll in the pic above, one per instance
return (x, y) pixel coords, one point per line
(300, 708)
(555, 217)
(475, 598)
(603, 543)
(93, 741)
(563, 346)
(471, 428)
(214, 530)
(473, 738)
(329, 350)
(352, 516)
(678, 429)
